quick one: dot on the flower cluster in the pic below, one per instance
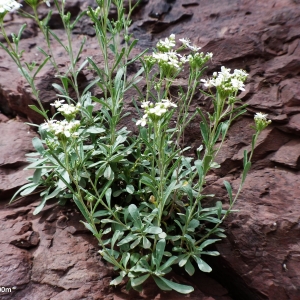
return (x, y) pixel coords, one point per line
(261, 121)
(198, 59)
(225, 82)
(170, 61)
(154, 111)
(8, 5)
(187, 44)
(167, 44)
(62, 128)
(69, 111)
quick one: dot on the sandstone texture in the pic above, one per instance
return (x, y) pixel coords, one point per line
(52, 256)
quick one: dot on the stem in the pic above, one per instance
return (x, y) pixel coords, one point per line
(234, 200)
(13, 53)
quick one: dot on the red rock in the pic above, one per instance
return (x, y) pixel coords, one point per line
(16, 141)
(294, 124)
(270, 140)
(262, 236)
(289, 154)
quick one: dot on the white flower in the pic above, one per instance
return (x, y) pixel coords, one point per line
(152, 111)
(161, 56)
(9, 5)
(57, 103)
(68, 109)
(157, 110)
(261, 121)
(260, 116)
(226, 81)
(207, 83)
(194, 48)
(145, 104)
(237, 84)
(185, 42)
(167, 103)
(62, 127)
(184, 59)
(167, 44)
(142, 122)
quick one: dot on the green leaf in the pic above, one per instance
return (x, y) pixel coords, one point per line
(54, 193)
(108, 196)
(183, 260)
(161, 284)
(37, 163)
(125, 259)
(193, 224)
(90, 228)
(171, 187)
(58, 40)
(146, 243)
(199, 167)
(189, 268)
(39, 207)
(116, 281)
(229, 190)
(211, 253)
(95, 130)
(168, 263)
(246, 170)
(115, 237)
(180, 288)
(130, 189)
(219, 208)
(64, 179)
(37, 175)
(138, 281)
(204, 132)
(202, 265)
(130, 237)
(33, 107)
(106, 231)
(29, 189)
(135, 243)
(101, 213)
(245, 158)
(153, 230)
(159, 252)
(38, 145)
(105, 221)
(134, 212)
(225, 126)
(206, 163)
(39, 68)
(218, 131)
(82, 208)
(208, 242)
(108, 173)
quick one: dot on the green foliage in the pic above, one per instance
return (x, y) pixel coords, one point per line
(140, 195)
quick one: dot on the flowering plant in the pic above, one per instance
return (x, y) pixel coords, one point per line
(140, 195)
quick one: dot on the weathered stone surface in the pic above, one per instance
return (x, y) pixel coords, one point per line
(289, 154)
(260, 258)
(262, 240)
(16, 141)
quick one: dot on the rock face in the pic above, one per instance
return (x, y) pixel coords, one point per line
(51, 256)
